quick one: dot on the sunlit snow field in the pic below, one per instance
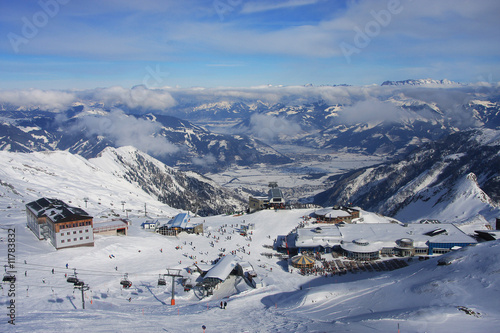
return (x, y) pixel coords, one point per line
(422, 297)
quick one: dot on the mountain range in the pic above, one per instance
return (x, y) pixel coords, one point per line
(432, 133)
(174, 141)
(117, 179)
(461, 169)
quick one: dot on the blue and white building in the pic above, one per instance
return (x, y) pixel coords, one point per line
(180, 223)
(366, 241)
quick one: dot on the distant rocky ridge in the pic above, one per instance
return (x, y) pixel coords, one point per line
(218, 128)
(182, 190)
(193, 147)
(427, 177)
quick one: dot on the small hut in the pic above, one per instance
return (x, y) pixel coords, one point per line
(302, 261)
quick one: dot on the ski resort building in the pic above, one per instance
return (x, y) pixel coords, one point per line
(336, 215)
(180, 223)
(274, 199)
(226, 266)
(221, 270)
(151, 225)
(36, 217)
(115, 227)
(489, 234)
(63, 225)
(256, 203)
(367, 241)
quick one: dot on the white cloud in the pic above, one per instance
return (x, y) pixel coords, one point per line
(270, 128)
(127, 130)
(204, 160)
(371, 110)
(139, 97)
(52, 100)
(255, 7)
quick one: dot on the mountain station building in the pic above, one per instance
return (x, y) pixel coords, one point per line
(64, 225)
(336, 215)
(180, 223)
(274, 199)
(370, 241)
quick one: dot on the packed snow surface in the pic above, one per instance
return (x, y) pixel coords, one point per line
(422, 297)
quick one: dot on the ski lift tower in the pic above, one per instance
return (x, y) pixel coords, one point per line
(273, 184)
(83, 287)
(173, 272)
(78, 284)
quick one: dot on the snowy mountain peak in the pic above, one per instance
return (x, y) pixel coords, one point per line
(469, 188)
(187, 191)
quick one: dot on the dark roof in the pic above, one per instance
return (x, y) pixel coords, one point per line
(39, 206)
(57, 210)
(65, 214)
(275, 193)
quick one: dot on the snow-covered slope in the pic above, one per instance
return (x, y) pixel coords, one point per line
(71, 178)
(124, 174)
(461, 203)
(422, 297)
(183, 190)
(425, 297)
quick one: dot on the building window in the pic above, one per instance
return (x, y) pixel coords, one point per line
(69, 240)
(87, 237)
(81, 231)
(81, 238)
(86, 230)
(68, 233)
(74, 232)
(74, 239)
(62, 233)
(62, 241)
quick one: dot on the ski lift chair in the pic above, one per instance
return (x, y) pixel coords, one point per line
(72, 279)
(125, 282)
(9, 278)
(161, 281)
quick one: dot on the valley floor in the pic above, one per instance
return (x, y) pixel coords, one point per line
(305, 177)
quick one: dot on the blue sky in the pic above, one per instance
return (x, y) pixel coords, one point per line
(72, 44)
